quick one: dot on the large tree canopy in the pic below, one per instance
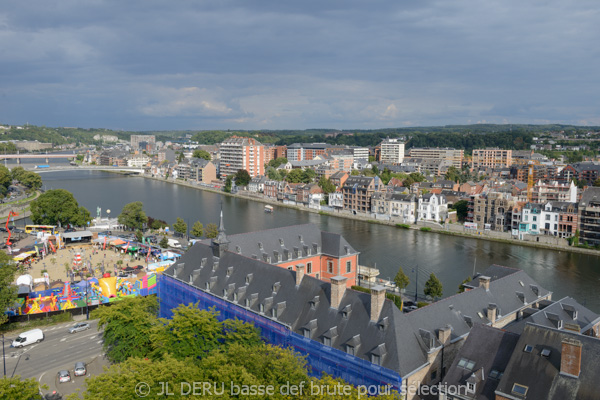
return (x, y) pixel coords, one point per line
(8, 291)
(201, 154)
(133, 215)
(58, 207)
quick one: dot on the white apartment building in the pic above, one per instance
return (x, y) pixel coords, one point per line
(361, 153)
(242, 153)
(436, 153)
(138, 161)
(392, 151)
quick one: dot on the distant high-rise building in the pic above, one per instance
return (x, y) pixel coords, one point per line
(242, 153)
(392, 151)
(491, 158)
(437, 153)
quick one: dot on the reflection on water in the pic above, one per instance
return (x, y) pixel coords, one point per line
(451, 258)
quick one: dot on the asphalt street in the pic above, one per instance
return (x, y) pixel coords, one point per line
(59, 350)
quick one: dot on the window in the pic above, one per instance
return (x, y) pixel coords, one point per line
(350, 350)
(309, 267)
(330, 266)
(534, 218)
(546, 352)
(470, 387)
(495, 374)
(519, 389)
(306, 333)
(528, 348)
(375, 359)
(433, 375)
(327, 341)
(348, 266)
(466, 364)
(261, 308)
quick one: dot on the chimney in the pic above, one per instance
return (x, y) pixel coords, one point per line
(444, 334)
(377, 301)
(338, 287)
(484, 282)
(299, 274)
(570, 357)
(492, 312)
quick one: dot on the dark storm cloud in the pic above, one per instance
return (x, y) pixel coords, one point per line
(276, 64)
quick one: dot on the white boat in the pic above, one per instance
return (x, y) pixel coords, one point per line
(268, 208)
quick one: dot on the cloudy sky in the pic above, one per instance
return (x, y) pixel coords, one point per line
(157, 65)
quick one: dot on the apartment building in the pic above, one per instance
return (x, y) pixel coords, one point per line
(455, 156)
(275, 152)
(242, 153)
(589, 217)
(358, 190)
(142, 141)
(306, 151)
(491, 158)
(391, 151)
(490, 211)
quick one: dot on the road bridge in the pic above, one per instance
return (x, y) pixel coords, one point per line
(46, 157)
(51, 168)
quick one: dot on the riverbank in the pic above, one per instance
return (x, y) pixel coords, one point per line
(450, 229)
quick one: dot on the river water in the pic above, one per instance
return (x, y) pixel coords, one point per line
(451, 258)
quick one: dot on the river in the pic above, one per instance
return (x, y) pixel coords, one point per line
(451, 258)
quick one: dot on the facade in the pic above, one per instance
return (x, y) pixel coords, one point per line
(306, 151)
(358, 190)
(455, 156)
(432, 207)
(490, 211)
(392, 151)
(138, 161)
(491, 158)
(274, 152)
(589, 217)
(360, 153)
(396, 205)
(544, 191)
(203, 171)
(588, 172)
(146, 140)
(242, 153)
(568, 219)
(257, 184)
(336, 200)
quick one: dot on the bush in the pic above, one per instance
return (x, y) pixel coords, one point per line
(403, 226)
(422, 304)
(425, 229)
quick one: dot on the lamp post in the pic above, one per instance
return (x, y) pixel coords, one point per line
(3, 355)
(87, 307)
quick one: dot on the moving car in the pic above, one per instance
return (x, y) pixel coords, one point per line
(64, 376)
(29, 337)
(82, 326)
(80, 369)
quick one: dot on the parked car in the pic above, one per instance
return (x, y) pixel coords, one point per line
(80, 369)
(70, 230)
(105, 233)
(82, 326)
(64, 376)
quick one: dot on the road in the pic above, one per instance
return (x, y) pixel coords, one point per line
(59, 350)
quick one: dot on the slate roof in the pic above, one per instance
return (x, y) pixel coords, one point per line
(567, 311)
(541, 374)
(489, 348)
(306, 306)
(465, 310)
(286, 240)
(493, 272)
(591, 194)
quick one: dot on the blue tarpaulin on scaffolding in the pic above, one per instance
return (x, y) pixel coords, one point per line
(320, 358)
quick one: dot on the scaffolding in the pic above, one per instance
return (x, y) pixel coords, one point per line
(320, 358)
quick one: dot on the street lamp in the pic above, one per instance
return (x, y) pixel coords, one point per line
(87, 307)
(3, 355)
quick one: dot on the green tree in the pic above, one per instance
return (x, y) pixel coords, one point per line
(273, 174)
(17, 172)
(212, 231)
(16, 389)
(180, 226)
(164, 242)
(128, 325)
(154, 223)
(227, 187)
(300, 176)
(326, 185)
(596, 182)
(461, 208)
(242, 178)
(198, 229)
(201, 154)
(240, 332)
(5, 179)
(355, 172)
(133, 215)
(31, 180)
(277, 162)
(461, 287)
(180, 157)
(401, 280)
(433, 287)
(180, 335)
(8, 291)
(58, 207)
(139, 236)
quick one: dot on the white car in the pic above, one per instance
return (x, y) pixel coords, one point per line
(64, 376)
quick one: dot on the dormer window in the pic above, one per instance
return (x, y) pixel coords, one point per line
(375, 359)
(327, 341)
(520, 390)
(350, 350)
(235, 296)
(470, 387)
(261, 308)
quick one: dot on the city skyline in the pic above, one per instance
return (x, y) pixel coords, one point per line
(272, 65)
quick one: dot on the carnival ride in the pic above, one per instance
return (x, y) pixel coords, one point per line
(10, 214)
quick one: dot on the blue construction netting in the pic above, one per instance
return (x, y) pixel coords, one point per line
(320, 358)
